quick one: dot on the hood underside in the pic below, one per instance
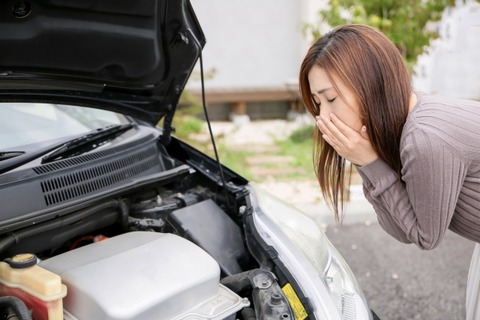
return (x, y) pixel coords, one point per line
(127, 56)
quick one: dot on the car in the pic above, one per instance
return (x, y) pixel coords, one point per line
(105, 213)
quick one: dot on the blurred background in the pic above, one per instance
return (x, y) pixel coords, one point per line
(251, 63)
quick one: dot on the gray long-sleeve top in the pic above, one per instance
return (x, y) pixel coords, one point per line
(440, 184)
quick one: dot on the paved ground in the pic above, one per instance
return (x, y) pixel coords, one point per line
(402, 282)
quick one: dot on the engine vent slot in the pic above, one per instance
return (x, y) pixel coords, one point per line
(91, 179)
(71, 162)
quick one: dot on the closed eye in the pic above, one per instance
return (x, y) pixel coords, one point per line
(332, 99)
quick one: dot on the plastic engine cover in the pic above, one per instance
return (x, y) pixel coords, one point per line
(143, 275)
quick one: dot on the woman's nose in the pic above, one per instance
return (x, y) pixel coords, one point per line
(325, 112)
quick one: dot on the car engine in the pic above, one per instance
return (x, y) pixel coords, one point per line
(171, 245)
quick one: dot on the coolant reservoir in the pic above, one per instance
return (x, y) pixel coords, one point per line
(41, 290)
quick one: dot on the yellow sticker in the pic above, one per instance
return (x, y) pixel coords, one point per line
(297, 306)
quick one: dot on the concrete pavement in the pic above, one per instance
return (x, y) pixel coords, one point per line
(402, 282)
(357, 210)
(306, 196)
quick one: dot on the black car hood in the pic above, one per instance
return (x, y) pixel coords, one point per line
(129, 56)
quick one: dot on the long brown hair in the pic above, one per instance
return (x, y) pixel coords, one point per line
(370, 65)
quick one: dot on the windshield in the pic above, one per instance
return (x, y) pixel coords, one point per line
(32, 123)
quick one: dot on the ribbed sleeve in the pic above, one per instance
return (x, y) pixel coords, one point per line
(440, 183)
(422, 205)
(380, 174)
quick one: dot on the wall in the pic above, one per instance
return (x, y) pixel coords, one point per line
(250, 43)
(254, 47)
(451, 68)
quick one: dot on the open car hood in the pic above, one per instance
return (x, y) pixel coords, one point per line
(127, 56)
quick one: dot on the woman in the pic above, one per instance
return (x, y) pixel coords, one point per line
(418, 154)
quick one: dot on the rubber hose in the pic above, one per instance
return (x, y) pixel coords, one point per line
(17, 305)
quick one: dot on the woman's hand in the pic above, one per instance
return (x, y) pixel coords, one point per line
(350, 144)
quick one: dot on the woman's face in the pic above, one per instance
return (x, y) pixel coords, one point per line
(329, 100)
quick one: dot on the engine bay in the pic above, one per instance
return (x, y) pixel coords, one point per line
(172, 247)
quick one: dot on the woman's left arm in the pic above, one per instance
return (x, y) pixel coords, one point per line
(421, 205)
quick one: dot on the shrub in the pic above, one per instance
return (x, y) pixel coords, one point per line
(302, 134)
(187, 125)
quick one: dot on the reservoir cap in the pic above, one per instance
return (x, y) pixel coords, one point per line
(22, 260)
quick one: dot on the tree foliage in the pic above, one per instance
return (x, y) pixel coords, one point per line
(405, 22)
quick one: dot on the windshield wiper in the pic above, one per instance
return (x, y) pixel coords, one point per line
(65, 148)
(84, 143)
(4, 155)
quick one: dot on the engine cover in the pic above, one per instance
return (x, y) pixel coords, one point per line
(143, 275)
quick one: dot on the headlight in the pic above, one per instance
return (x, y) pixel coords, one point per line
(318, 268)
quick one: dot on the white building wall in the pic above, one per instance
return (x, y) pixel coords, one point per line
(259, 44)
(252, 43)
(452, 66)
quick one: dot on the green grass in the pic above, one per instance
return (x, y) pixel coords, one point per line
(236, 160)
(300, 147)
(187, 126)
(297, 147)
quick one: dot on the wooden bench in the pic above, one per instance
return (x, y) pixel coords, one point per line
(238, 98)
